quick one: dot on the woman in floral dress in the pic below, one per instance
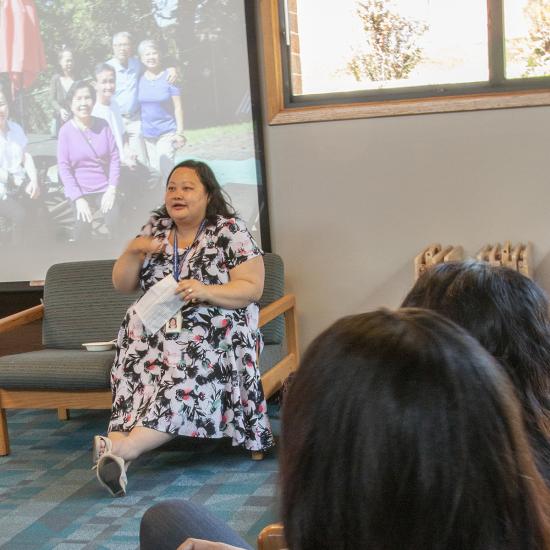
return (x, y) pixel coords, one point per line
(202, 380)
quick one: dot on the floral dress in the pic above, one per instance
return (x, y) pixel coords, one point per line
(204, 381)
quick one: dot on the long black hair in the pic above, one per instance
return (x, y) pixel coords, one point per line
(218, 203)
(401, 431)
(508, 313)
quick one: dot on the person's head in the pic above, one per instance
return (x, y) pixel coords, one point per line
(508, 314)
(173, 323)
(105, 82)
(65, 60)
(193, 193)
(122, 46)
(149, 54)
(400, 431)
(81, 99)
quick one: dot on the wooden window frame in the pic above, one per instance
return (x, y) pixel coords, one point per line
(279, 112)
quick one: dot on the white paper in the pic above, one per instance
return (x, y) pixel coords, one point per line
(158, 304)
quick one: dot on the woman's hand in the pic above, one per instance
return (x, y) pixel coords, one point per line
(172, 75)
(178, 141)
(83, 211)
(144, 246)
(32, 189)
(64, 114)
(108, 199)
(191, 290)
(199, 544)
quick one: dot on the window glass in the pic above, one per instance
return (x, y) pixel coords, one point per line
(350, 45)
(527, 38)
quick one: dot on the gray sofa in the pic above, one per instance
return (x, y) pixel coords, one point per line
(81, 305)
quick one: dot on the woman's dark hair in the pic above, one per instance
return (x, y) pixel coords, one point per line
(401, 431)
(508, 314)
(218, 203)
(80, 85)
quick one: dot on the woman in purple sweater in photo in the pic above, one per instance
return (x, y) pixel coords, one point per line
(88, 163)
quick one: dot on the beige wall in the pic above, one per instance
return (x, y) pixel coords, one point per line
(351, 203)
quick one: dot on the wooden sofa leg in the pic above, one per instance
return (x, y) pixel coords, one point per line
(63, 414)
(4, 436)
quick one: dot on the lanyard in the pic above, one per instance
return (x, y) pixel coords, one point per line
(180, 261)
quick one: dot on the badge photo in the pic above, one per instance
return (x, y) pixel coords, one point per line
(173, 325)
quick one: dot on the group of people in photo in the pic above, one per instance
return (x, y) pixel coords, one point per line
(118, 132)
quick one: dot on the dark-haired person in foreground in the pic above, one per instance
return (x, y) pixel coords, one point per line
(508, 313)
(398, 431)
(203, 380)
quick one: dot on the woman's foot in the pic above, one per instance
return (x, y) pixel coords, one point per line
(101, 445)
(111, 473)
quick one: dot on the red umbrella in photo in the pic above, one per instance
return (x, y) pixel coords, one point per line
(21, 48)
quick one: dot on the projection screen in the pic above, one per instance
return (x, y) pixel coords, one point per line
(171, 80)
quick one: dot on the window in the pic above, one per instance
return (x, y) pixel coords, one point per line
(340, 59)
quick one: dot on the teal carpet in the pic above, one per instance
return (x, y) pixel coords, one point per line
(50, 499)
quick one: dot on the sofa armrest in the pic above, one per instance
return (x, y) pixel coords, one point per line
(287, 306)
(21, 318)
(276, 308)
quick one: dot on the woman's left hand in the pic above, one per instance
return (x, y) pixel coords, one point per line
(178, 141)
(191, 290)
(172, 75)
(32, 189)
(108, 199)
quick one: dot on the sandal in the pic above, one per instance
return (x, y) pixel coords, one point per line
(111, 473)
(96, 448)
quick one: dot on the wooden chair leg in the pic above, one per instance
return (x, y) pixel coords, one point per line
(4, 435)
(257, 455)
(63, 414)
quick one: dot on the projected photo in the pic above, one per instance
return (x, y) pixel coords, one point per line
(98, 101)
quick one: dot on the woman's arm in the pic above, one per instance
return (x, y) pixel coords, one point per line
(246, 285)
(32, 188)
(127, 267)
(114, 157)
(178, 115)
(64, 165)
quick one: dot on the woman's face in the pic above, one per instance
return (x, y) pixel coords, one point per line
(4, 111)
(186, 198)
(66, 62)
(82, 103)
(150, 58)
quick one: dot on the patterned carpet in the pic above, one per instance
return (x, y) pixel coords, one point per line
(50, 499)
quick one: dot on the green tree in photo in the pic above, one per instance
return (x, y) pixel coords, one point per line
(392, 49)
(538, 14)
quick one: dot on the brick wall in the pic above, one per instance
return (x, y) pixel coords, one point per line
(295, 63)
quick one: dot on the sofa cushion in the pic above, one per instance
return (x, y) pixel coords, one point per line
(57, 370)
(81, 305)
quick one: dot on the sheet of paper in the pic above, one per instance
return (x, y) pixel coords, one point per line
(158, 304)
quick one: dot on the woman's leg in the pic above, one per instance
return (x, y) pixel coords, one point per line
(166, 155)
(138, 441)
(166, 525)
